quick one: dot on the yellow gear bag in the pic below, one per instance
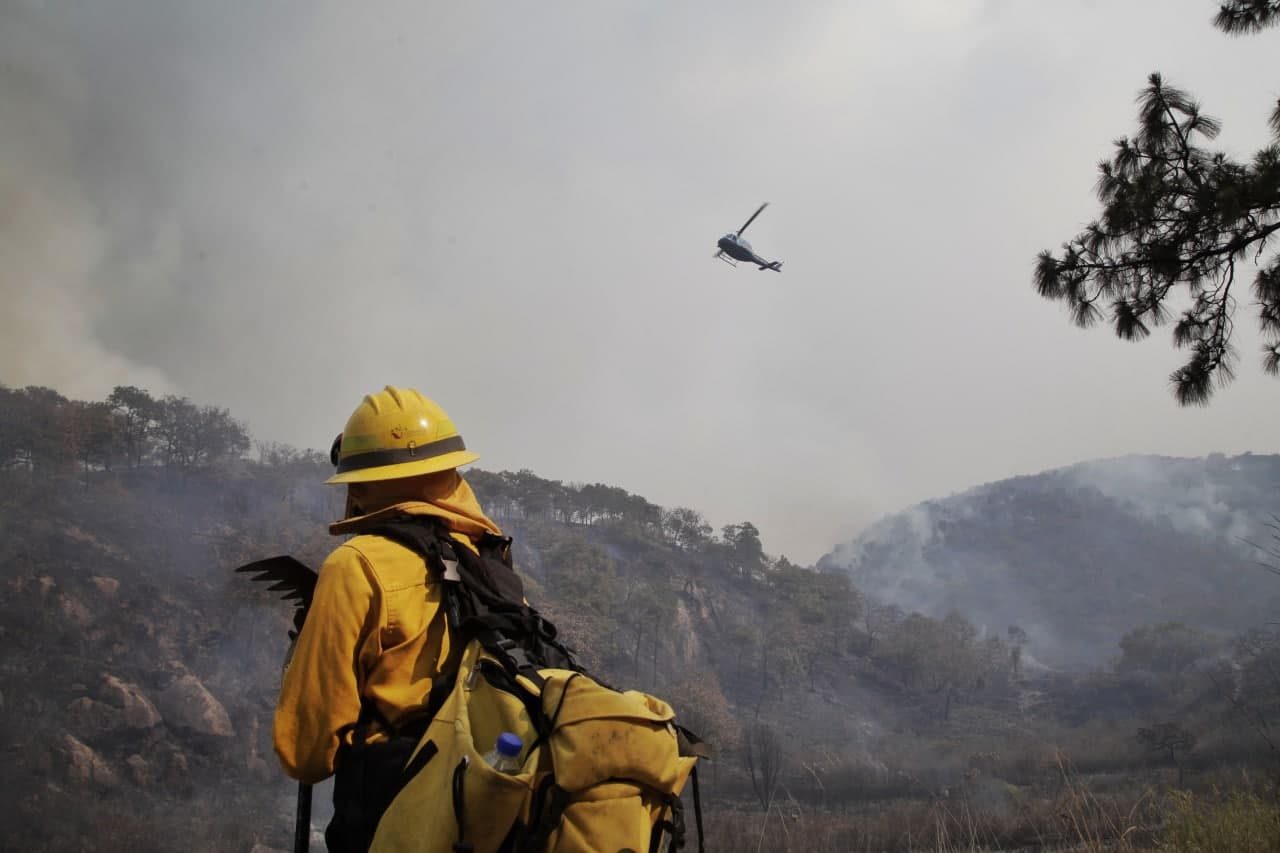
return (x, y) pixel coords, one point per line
(601, 770)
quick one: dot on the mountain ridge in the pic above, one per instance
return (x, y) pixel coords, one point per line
(139, 673)
(1078, 555)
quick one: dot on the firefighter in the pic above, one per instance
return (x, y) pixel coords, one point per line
(354, 695)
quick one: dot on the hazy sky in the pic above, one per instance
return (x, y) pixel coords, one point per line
(278, 207)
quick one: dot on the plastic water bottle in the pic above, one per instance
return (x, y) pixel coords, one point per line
(505, 755)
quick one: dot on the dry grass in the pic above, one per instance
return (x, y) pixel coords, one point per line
(1233, 822)
(1101, 815)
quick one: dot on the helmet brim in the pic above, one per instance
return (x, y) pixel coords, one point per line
(400, 470)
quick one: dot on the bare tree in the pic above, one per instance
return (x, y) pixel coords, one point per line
(762, 759)
(1017, 639)
(1170, 739)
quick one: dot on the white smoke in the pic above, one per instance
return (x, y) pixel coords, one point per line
(53, 243)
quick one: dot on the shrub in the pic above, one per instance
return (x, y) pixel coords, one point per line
(1239, 822)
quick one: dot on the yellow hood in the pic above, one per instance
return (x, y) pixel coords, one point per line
(445, 495)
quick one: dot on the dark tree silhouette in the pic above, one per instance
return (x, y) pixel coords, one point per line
(762, 759)
(1170, 740)
(194, 436)
(743, 541)
(1177, 216)
(137, 412)
(44, 437)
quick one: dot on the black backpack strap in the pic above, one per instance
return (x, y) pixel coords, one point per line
(460, 807)
(492, 546)
(369, 775)
(671, 823)
(486, 600)
(500, 677)
(487, 575)
(549, 803)
(513, 658)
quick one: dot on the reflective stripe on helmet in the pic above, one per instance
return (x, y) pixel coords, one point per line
(394, 456)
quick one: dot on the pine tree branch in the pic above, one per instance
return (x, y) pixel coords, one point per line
(1240, 17)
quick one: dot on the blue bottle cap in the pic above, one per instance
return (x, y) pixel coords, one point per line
(510, 744)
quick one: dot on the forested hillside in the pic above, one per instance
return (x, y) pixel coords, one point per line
(138, 672)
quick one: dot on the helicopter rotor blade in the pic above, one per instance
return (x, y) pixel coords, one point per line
(753, 218)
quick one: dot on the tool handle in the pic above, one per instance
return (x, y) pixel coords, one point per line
(302, 825)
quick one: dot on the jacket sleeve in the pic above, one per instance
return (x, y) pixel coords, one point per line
(320, 693)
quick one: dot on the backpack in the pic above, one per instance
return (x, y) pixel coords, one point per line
(601, 769)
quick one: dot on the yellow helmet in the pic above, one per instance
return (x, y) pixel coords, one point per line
(397, 433)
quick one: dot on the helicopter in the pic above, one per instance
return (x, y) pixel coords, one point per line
(734, 248)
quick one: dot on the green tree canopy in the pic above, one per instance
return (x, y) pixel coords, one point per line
(687, 528)
(743, 541)
(194, 436)
(1178, 217)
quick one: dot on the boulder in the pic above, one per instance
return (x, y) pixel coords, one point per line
(120, 706)
(87, 767)
(186, 704)
(138, 710)
(140, 771)
(91, 720)
(108, 587)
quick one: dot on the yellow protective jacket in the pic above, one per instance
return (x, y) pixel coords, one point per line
(375, 630)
